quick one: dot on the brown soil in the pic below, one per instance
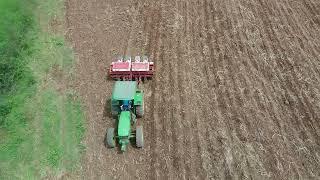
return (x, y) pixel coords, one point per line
(236, 93)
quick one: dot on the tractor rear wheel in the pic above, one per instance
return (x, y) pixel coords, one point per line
(140, 110)
(139, 137)
(110, 141)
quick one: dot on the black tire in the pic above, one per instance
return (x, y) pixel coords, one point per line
(114, 114)
(140, 110)
(115, 111)
(139, 137)
(110, 141)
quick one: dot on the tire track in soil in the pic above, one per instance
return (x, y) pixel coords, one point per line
(313, 11)
(236, 72)
(274, 47)
(258, 101)
(202, 76)
(175, 108)
(207, 54)
(193, 72)
(153, 101)
(274, 50)
(170, 122)
(182, 94)
(260, 104)
(291, 84)
(158, 53)
(297, 29)
(185, 156)
(174, 134)
(278, 70)
(187, 118)
(228, 94)
(181, 63)
(161, 171)
(237, 120)
(219, 19)
(183, 82)
(228, 153)
(288, 112)
(256, 70)
(165, 165)
(305, 100)
(292, 29)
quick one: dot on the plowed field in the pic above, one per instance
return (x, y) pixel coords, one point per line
(236, 93)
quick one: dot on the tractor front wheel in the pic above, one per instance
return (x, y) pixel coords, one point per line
(140, 110)
(115, 111)
(114, 114)
(139, 137)
(110, 141)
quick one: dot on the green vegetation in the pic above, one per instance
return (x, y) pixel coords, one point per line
(41, 125)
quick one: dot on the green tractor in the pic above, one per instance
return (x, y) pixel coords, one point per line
(126, 105)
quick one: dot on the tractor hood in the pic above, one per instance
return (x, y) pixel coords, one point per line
(124, 90)
(124, 123)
